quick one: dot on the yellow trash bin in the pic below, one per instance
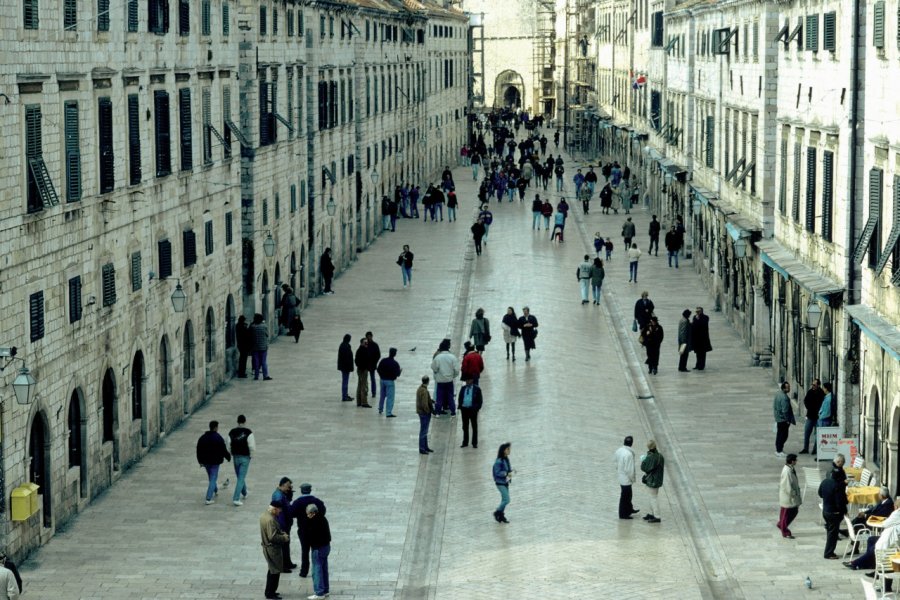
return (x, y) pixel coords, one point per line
(24, 501)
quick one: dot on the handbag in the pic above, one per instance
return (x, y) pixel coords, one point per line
(634, 326)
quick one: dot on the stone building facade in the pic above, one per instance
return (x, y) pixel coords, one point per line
(214, 148)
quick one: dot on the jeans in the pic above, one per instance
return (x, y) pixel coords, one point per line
(438, 209)
(451, 213)
(385, 221)
(577, 190)
(590, 187)
(675, 256)
(785, 518)
(345, 380)
(585, 286)
(781, 435)
(424, 422)
(393, 223)
(596, 289)
(625, 505)
(559, 184)
(414, 210)
(469, 416)
(407, 275)
(475, 172)
(809, 429)
(536, 220)
(212, 471)
(259, 362)
(511, 194)
(632, 270)
(546, 222)
(504, 496)
(372, 380)
(487, 230)
(241, 465)
(444, 398)
(320, 569)
(387, 396)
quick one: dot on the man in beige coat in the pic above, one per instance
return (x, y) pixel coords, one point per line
(789, 497)
(273, 538)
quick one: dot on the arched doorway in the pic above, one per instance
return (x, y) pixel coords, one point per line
(137, 394)
(230, 337)
(39, 463)
(210, 336)
(509, 90)
(264, 293)
(165, 379)
(78, 443)
(187, 363)
(111, 415)
(294, 272)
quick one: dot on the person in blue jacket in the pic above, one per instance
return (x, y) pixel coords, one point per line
(502, 476)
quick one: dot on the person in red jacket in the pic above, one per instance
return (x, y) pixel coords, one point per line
(472, 364)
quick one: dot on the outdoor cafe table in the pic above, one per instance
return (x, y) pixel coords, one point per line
(863, 494)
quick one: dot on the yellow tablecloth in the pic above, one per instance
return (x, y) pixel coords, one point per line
(853, 473)
(867, 494)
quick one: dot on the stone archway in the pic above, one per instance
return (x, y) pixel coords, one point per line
(78, 439)
(509, 90)
(39, 463)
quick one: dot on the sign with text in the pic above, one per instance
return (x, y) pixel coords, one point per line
(847, 447)
(827, 443)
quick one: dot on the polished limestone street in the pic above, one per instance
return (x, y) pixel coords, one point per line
(411, 526)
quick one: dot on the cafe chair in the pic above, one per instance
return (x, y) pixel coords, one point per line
(859, 462)
(884, 570)
(858, 534)
(813, 478)
(866, 477)
(869, 589)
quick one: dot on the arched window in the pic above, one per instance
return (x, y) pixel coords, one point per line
(74, 430)
(187, 351)
(137, 386)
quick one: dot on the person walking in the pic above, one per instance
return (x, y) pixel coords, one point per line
(211, 453)
(260, 338)
(628, 231)
(502, 473)
(559, 226)
(444, 366)
(652, 337)
(627, 474)
(470, 401)
(606, 198)
(326, 268)
(298, 513)
(388, 370)
(634, 255)
(472, 365)
(476, 163)
(583, 274)
(654, 236)
(424, 408)
(546, 212)
(590, 180)
(245, 345)
(452, 205)
(673, 245)
(10, 581)
(282, 495)
(273, 538)
(598, 273)
(578, 179)
(643, 310)
(290, 311)
(405, 260)
(486, 217)
(700, 343)
(652, 464)
(480, 331)
(242, 445)
(684, 340)
(374, 356)
(789, 498)
(528, 327)
(784, 417)
(560, 172)
(833, 492)
(510, 326)
(386, 212)
(414, 194)
(320, 543)
(345, 366)
(813, 404)
(598, 244)
(478, 230)
(608, 246)
(536, 207)
(361, 360)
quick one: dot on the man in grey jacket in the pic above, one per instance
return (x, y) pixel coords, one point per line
(784, 418)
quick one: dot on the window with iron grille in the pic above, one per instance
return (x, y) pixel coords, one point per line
(75, 299)
(102, 15)
(164, 249)
(162, 133)
(36, 313)
(73, 151)
(109, 284)
(136, 274)
(189, 239)
(30, 14)
(229, 230)
(187, 144)
(208, 237)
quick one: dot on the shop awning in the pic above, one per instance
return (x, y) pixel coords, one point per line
(703, 195)
(783, 260)
(877, 328)
(736, 232)
(675, 169)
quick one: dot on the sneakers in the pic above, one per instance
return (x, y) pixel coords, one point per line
(208, 502)
(316, 597)
(238, 503)
(780, 454)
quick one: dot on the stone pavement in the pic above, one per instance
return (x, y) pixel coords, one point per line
(394, 512)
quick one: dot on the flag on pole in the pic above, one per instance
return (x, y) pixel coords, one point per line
(638, 82)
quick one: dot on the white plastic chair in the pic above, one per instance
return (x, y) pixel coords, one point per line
(869, 589)
(884, 570)
(859, 462)
(857, 534)
(813, 478)
(866, 477)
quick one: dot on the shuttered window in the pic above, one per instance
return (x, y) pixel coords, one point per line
(710, 142)
(162, 133)
(70, 15)
(30, 14)
(136, 276)
(262, 20)
(75, 299)
(208, 237)
(655, 110)
(184, 17)
(870, 234)
(323, 111)
(226, 18)
(293, 198)
(827, 193)
(829, 32)
(289, 21)
(184, 112)
(878, 24)
(274, 21)
(33, 151)
(810, 189)
(226, 128)
(107, 160)
(134, 140)
(73, 151)
(205, 107)
(205, 17)
(189, 238)
(109, 284)
(795, 200)
(102, 15)
(890, 248)
(132, 25)
(36, 314)
(229, 231)
(164, 249)
(158, 16)
(812, 33)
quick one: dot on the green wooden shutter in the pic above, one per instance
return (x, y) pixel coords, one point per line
(162, 132)
(36, 315)
(890, 248)
(107, 160)
(795, 204)
(208, 237)
(812, 33)
(30, 14)
(810, 189)
(710, 141)
(190, 248)
(878, 24)
(70, 15)
(132, 16)
(134, 140)
(184, 17)
(205, 109)
(136, 275)
(75, 299)
(73, 151)
(829, 37)
(205, 17)
(164, 248)
(263, 114)
(229, 229)
(187, 145)
(109, 284)
(102, 15)
(827, 193)
(226, 114)
(226, 18)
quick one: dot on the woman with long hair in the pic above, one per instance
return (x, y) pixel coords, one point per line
(502, 476)
(510, 325)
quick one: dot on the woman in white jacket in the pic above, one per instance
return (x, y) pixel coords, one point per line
(789, 497)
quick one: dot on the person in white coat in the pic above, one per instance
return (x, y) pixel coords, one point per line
(9, 589)
(445, 367)
(789, 497)
(627, 474)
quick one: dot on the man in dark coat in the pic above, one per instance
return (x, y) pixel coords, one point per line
(470, 401)
(345, 366)
(320, 543)
(244, 345)
(374, 357)
(326, 268)
(298, 512)
(833, 492)
(211, 453)
(654, 236)
(684, 340)
(700, 338)
(643, 310)
(812, 402)
(361, 360)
